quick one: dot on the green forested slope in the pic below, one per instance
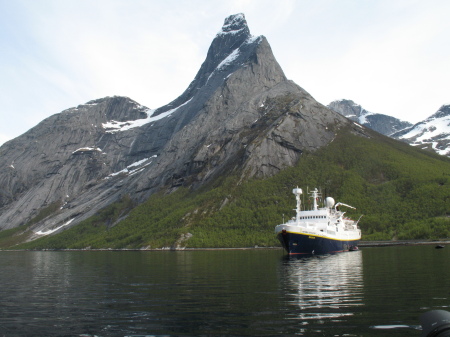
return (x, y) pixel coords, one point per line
(403, 192)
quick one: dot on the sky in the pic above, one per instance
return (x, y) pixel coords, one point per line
(389, 56)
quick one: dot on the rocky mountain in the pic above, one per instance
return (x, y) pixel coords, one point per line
(432, 134)
(239, 115)
(383, 124)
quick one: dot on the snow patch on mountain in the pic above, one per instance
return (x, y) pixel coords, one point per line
(133, 168)
(363, 116)
(435, 130)
(50, 231)
(231, 58)
(115, 126)
(87, 149)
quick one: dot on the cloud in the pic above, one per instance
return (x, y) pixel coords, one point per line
(111, 56)
(390, 57)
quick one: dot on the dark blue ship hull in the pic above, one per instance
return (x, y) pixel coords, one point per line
(295, 243)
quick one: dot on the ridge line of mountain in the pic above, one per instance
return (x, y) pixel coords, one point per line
(239, 117)
(433, 133)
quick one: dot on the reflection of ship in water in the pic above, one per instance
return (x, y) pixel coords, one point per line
(323, 287)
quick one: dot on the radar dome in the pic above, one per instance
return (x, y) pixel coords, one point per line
(297, 191)
(329, 201)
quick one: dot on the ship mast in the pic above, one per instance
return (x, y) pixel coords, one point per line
(297, 191)
(315, 195)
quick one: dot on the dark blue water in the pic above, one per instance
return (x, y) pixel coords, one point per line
(373, 292)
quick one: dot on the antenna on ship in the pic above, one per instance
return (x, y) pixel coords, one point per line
(309, 201)
(303, 201)
(359, 219)
(315, 195)
(321, 197)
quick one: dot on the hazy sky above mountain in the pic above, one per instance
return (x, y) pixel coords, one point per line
(389, 56)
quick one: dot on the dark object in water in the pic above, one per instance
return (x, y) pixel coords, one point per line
(353, 248)
(435, 323)
(439, 246)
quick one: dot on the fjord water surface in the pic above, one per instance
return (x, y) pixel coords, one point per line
(371, 292)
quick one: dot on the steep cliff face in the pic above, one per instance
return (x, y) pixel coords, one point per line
(386, 125)
(61, 158)
(240, 114)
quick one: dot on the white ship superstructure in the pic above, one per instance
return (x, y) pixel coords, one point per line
(319, 230)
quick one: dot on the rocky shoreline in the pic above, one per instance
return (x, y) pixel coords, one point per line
(362, 244)
(401, 243)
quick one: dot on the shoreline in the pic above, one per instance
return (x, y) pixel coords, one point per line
(361, 244)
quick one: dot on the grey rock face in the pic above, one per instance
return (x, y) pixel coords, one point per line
(383, 124)
(61, 157)
(240, 114)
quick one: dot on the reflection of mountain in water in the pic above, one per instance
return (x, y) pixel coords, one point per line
(324, 286)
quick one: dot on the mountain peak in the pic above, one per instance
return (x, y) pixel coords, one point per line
(431, 133)
(234, 24)
(350, 109)
(231, 48)
(443, 111)
(384, 124)
(234, 32)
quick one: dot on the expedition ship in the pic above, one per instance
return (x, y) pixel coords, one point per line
(319, 230)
